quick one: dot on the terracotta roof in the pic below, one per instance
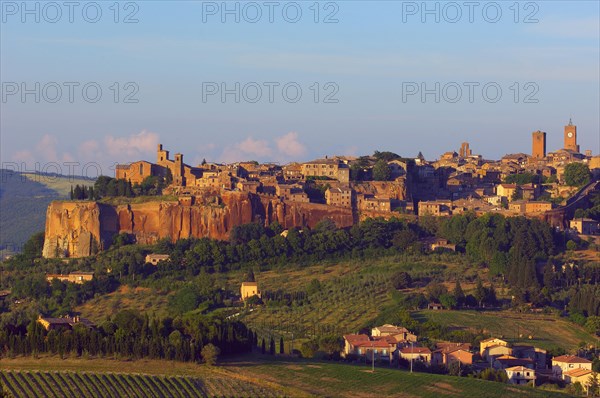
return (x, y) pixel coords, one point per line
(452, 347)
(415, 350)
(519, 369)
(387, 339)
(374, 343)
(577, 372)
(356, 338)
(570, 359)
(391, 329)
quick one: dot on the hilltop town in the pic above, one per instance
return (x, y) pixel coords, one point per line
(386, 182)
(209, 199)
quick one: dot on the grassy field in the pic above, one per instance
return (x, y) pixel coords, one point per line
(246, 376)
(353, 294)
(125, 298)
(546, 331)
(62, 185)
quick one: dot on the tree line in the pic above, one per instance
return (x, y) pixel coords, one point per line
(105, 186)
(130, 335)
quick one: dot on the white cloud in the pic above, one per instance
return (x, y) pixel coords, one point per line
(249, 149)
(44, 151)
(104, 153)
(286, 148)
(132, 147)
(289, 145)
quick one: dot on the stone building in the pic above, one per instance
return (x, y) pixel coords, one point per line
(249, 289)
(136, 172)
(330, 168)
(339, 197)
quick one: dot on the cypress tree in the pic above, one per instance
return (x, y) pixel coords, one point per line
(272, 346)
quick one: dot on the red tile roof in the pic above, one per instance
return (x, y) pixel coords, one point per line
(577, 372)
(570, 359)
(415, 350)
(356, 338)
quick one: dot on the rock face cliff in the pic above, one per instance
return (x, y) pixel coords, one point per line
(80, 228)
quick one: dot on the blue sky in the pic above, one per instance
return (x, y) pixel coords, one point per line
(369, 57)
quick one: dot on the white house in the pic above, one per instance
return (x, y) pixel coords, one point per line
(520, 375)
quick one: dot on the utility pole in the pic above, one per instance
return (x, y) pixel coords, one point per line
(372, 357)
(412, 350)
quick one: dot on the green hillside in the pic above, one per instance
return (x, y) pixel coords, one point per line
(24, 198)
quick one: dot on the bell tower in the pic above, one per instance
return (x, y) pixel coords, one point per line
(538, 139)
(571, 137)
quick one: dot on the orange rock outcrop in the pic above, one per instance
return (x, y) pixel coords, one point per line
(80, 228)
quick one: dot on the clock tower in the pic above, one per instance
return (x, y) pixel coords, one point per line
(571, 137)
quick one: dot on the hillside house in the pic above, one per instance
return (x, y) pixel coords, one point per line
(154, 258)
(249, 289)
(585, 226)
(581, 376)
(494, 347)
(66, 322)
(447, 353)
(363, 346)
(520, 375)
(441, 243)
(402, 335)
(78, 277)
(421, 354)
(565, 363)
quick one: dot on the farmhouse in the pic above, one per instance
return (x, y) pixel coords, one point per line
(401, 334)
(585, 226)
(65, 322)
(74, 277)
(154, 259)
(565, 363)
(361, 345)
(487, 343)
(520, 375)
(421, 354)
(249, 289)
(446, 353)
(581, 376)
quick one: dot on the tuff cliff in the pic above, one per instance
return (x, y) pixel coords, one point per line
(80, 228)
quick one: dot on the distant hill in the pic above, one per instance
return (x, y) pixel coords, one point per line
(24, 198)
